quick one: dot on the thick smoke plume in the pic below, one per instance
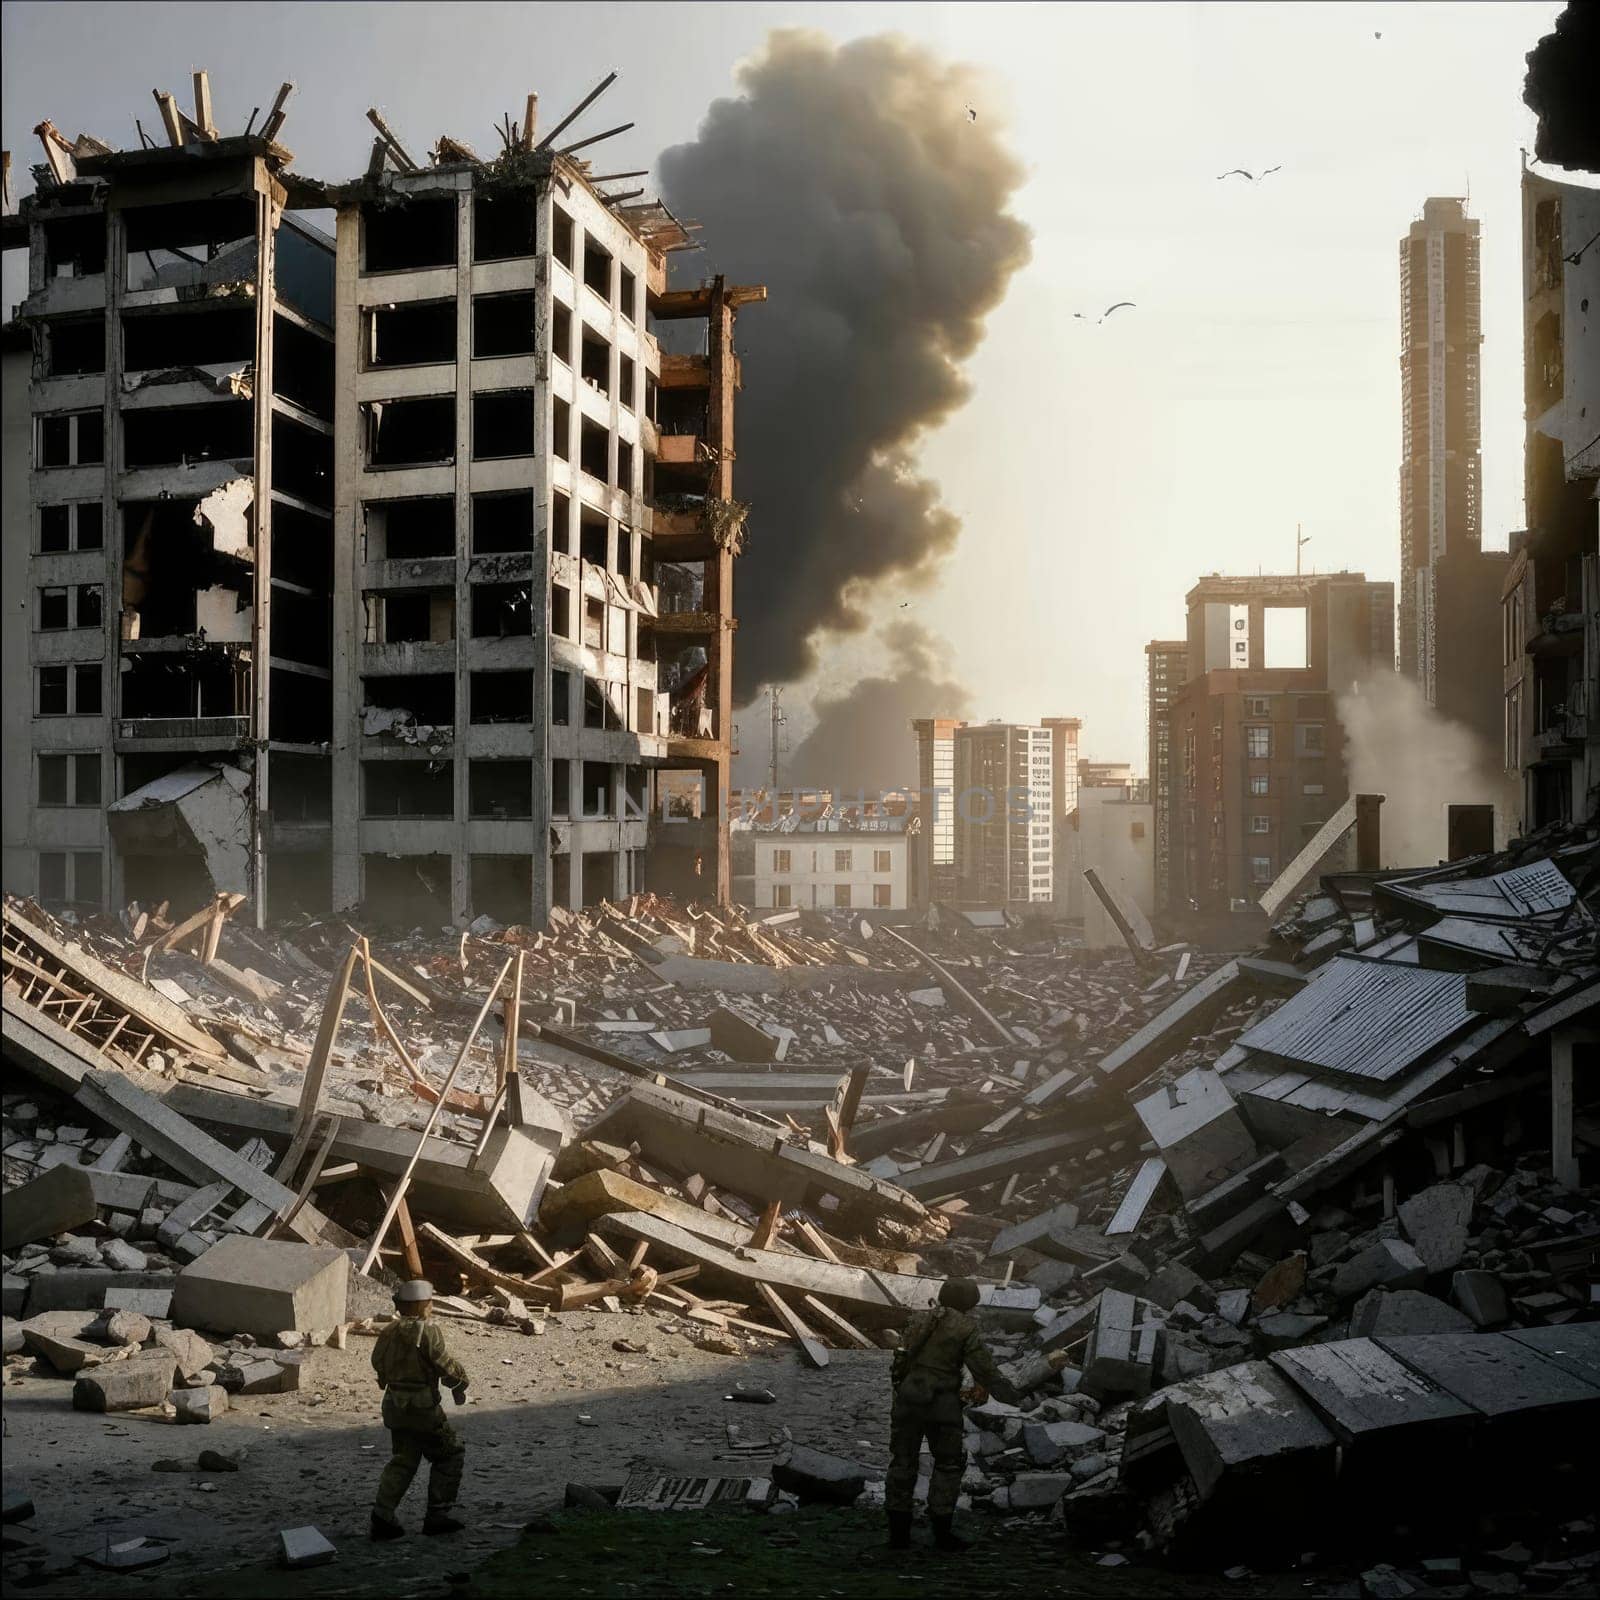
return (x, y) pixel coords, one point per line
(1400, 746)
(862, 742)
(856, 182)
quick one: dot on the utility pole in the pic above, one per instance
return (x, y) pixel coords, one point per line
(774, 695)
(1300, 541)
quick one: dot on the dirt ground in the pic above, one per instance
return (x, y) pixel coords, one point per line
(545, 1411)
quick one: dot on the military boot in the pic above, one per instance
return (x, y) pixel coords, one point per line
(442, 1522)
(944, 1536)
(384, 1528)
(899, 1530)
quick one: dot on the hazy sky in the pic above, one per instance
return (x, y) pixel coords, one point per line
(1098, 470)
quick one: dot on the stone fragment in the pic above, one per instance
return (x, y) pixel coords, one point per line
(58, 1200)
(152, 1303)
(122, 1257)
(1481, 1296)
(199, 1405)
(192, 1353)
(304, 1547)
(125, 1385)
(1437, 1222)
(1390, 1263)
(1280, 1284)
(814, 1475)
(76, 1252)
(15, 1294)
(1038, 1491)
(123, 1327)
(217, 1461)
(262, 1286)
(1282, 1330)
(14, 1342)
(57, 1337)
(1399, 1311)
(1175, 1282)
(1234, 1305)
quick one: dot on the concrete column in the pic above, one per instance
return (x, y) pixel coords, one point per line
(116, 276)
(267, 214)
(347, 539)
(460, 860)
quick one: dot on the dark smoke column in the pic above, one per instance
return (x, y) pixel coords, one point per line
(854, 181)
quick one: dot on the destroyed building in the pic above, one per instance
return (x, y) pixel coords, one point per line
(1166, 670)
(385, 570)
(1551, 604)
(1257, 762)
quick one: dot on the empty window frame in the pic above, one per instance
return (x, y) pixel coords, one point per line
(628, 296)
(594, 361)
(596, 788)
(502, 325)
(408, 237)
(170, 435)
(430, 697)
(500, 697)
(1260, 824)
(594, 622)
(594, 449)
(627, 382)
(561, 236)
(596, 267)
(69, 691)
(415, 333)
(1258, 743)
(412, 529)
(70, 439)
(881, 895)
(781, 861)
(502, 424)
(55, 609)
(841, 894)
(1261, 869)
(75, 345)
(561, 430)
(410, 433)
(503, 226)
(560, 791)
(560, 697)
(624, 551)
(593, 536)
(69, 780)
(211, 336)
(882, 861)
(1257, 705)
(501, 610)
(842, 862)
(501, 790)
(560, 522)
(410, 616)
(1309, 739)
(1259, 783)
(77, 526)
(75, 247)
(86, 876)
(560, 611)
(502, 524)
(782, 895)
(407, 789)
(561, 333)
(624, 466)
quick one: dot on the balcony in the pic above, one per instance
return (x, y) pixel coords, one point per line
(208, 732)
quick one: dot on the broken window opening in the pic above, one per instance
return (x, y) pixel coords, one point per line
(175, 582)
(560, 611)
(594, 622)
(592, 536)
(430, 697)
(628, 296)
(561, 333)
(682, 411)
(161, 341)
(502, 887)
(212, 683)
(410, 433)
(595, 361)
(634, 785)
(594, 450)
(89, 611)
(560, 522)
(410, 616)
(502, 424)
(302, 368)
(54, 609)
(189, 243)
(417, 333)
(407, 789)
(503, 226)
(300, 706)
(409, 237)
(501, 696)
(561, 240)
(177, 435)
(501, 790)
(627, 382)
(411, 529)
(75, 247)
(74, 346)
(625, 466)
(594, 704)
(501, 610)
(52, 692)
(302, 552)
(302, 461)
(302, 268)
(561, 431)
(645, 710)
(502, 524)
(596, 789)
(405, 891)
(561, 791)
(599, 876)
(560, 697)
(71, 439)
(624, 551)
(596, 267)
(302, 788)
(502, 325)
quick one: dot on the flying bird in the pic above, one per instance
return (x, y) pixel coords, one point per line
(972, 115)
(1239, 172)
(1083, 316)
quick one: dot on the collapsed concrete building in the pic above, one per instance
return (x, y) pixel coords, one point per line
(423, 546)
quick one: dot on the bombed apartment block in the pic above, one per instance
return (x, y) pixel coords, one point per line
(1255, 764)
(174, 558)
(384, 570)
(536, 616)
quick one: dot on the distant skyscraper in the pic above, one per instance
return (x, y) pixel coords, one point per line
(1449, 589)
(1167, 663)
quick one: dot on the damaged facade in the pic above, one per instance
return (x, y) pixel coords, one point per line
(421, 531)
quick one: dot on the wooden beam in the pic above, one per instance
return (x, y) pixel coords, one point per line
(594, 138)
(327, 1029)
(812, 1350)
(812, 1236)
(303, 1194)
(408, 1238)
(397, 149)
(476, 1267)
(202, 107)
(171, 117)
(766, 1229)
(276, 115)
(512, 1021)
(577, 111)
(433, 1115)
(530, 120)
(842, 1332)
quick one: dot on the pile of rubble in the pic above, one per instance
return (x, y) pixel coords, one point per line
(1288, 1213)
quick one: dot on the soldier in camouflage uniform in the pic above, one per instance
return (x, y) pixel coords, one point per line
(936, 1345)
(411, 1360)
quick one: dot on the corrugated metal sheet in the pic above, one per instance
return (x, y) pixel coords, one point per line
(1365, 1019)
(1522, 892)
(1496, 941)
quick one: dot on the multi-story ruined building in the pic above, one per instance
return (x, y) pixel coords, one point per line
(933, 848)
(1551, 607)
(1005, 814)
(1449, 585)
(386, 572)
(1166, 671)
(1257, 763)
